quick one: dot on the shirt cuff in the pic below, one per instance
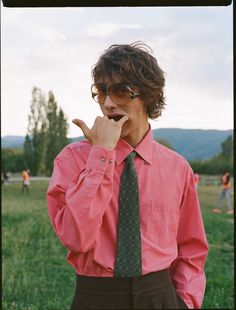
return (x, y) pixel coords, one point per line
(101, 159)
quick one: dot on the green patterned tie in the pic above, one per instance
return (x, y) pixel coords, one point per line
(129, 257)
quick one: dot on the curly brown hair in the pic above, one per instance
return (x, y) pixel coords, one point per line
(133, 64)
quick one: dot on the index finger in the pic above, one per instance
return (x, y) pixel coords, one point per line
(122, 120)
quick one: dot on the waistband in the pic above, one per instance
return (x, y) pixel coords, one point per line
(123, 286)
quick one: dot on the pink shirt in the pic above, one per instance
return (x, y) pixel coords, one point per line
(83, 207)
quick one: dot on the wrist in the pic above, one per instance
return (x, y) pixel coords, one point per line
(107, 146)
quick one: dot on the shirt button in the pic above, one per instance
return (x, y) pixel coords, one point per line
(110, 161)
(102, 160)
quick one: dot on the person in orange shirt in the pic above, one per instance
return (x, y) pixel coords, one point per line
(225, 193)
(25, 180)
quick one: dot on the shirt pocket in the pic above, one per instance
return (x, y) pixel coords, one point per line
(163, 223)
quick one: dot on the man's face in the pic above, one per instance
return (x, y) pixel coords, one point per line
(132, 108)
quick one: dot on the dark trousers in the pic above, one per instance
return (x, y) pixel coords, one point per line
(152, 291)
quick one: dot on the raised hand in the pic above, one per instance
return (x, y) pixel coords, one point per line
(105, 132)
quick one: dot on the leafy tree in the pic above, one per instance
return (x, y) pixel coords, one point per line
(63, 127)
(46, 135)
(12, 160)
(57, 128)
(213, 166)
(218, 163)
(51, 143)
(28, 153)
(34, 146)
(227, 148)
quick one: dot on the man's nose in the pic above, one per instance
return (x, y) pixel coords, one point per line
(108, 103)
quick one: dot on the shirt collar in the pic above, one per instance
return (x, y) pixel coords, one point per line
(143, 149)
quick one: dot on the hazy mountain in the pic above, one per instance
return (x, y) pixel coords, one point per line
(12, 142)
(194, 143)
(190, 143)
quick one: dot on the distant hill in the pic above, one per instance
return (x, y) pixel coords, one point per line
(12, 142)
(194, 143)
(190, 143)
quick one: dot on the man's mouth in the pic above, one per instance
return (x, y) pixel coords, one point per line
(116, 117)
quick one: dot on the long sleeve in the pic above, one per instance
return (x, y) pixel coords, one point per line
(187, 271)
(78, 195)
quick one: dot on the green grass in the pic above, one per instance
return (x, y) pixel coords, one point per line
(35, 272)
(37, 276)
(220, 262)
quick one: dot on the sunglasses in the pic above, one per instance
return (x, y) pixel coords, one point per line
(119, 93)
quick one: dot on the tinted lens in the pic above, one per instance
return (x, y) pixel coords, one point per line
(98, 93)
(119, 92)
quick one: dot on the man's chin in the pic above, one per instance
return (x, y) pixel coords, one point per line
(123, 133)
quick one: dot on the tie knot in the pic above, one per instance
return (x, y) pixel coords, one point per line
(130, 158)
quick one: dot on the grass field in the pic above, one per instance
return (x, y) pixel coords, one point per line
(37, 276)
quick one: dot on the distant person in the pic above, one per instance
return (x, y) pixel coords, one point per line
(225, 194)
(5, 177)
(125, 206)
(2, 177)
(25, 180)
(197, 179)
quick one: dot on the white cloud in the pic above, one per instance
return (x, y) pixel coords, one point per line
(54, 49)
(46, 33)
(106, 29)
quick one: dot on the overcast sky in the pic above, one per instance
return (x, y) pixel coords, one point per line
(55, 48)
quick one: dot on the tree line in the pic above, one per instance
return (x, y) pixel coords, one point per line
(215, 165)
(218, 163)
(46, 136)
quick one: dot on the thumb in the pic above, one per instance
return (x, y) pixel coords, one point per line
(123, 120)
(81, 124)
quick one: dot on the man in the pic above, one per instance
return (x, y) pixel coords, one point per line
(25, 180)
(125, 206)
(5, 178)
(197, 179)
(225, 194)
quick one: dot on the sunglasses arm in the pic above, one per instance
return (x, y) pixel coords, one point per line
(132, 94)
